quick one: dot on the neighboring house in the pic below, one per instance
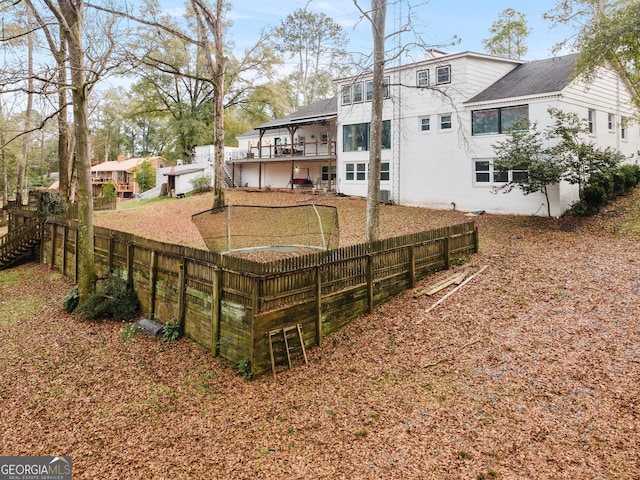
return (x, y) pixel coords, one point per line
(296, 151)
(444, 114)
(442, 117)
(121, 173)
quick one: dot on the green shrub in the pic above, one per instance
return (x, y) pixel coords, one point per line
(71, 299)
(51, 202)
(171, 331)
(630, 175)
(201, 183)
(109, 190)
(604, 180)
(618, 182)
(594, 198)
(244, 367)
(112, 298)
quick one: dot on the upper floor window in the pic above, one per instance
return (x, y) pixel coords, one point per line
(443, 74)
(368, 90)
(346, 94)
(387, 81)
(591, 121)
(358, 94)
(422, 78)
(624, 124)
(611, 122)
(445, 122)
(425, 124)
(497, 120)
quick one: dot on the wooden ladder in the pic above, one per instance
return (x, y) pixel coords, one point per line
(286, 333)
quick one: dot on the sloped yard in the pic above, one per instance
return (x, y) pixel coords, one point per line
(532, 370)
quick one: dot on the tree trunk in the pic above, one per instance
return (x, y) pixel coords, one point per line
(26, 139)
(64, 154)
(218, 134)
(378, 15)
(3, 162)
(73, 16)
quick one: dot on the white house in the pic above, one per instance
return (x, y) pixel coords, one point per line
(442, 117)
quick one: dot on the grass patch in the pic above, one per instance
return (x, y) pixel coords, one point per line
(13, 308)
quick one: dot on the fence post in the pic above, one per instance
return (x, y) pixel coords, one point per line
(153, 267)
(130, 248)
(65, 237)
(370, 281)
(318, 305)
(475, 238)
(412, 266)
(181, 290)
(215, 310)
(76, 254)
(53, 245)
(447, 252)
(255, 306)
(110, 254)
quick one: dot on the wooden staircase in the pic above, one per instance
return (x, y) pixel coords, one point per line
(19, 243)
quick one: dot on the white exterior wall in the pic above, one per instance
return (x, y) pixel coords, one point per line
(435, 169)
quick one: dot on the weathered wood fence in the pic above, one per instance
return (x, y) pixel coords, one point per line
(229, 304)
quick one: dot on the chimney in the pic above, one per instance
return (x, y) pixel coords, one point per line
(121, 158)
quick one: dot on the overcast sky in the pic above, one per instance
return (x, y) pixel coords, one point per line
(438, 21)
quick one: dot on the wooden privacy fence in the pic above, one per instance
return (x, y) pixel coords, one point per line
(230, 304)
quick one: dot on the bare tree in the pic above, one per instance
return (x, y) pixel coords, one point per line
(212, 21)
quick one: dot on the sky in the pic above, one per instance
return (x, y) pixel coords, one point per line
(437, 20)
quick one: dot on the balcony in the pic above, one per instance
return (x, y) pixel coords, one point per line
(317, 150)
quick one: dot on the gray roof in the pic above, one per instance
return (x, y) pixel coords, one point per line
(317, 111)
(533, 78)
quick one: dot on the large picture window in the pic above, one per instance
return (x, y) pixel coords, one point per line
(356, 137)
(493, 121)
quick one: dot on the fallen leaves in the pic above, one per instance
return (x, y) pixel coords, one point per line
(535, 374)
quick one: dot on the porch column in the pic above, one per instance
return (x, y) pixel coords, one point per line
(292, 171)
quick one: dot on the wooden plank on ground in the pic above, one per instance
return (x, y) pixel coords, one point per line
(456, 278)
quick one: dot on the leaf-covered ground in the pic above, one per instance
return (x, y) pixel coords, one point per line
(531, 370)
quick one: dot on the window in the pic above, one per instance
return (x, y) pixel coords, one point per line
(425, 124)
(349, 170)
(624, 123)
(445, 122)
(368, 90)
(358, 94)
(443, 74)
(611, 122)
(346, 94)
(302, 139)
(325, 173)
(325, 137)
(384, 171)
(492, 121)
(422, 78)
(387, 81)
(356, 137)
(591, 121)
(484, 173)
(361, 171)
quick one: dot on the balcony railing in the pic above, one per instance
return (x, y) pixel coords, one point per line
(297, 150)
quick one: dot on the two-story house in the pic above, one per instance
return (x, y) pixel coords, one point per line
(441, 118)
(443, 115)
